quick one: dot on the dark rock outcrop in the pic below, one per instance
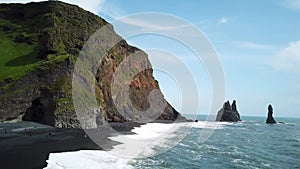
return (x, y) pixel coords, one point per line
(270, 119)
(228, 113)
(57, 32)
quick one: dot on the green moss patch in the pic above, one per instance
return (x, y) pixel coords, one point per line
(16, 58)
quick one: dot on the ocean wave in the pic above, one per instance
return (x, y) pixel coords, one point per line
(140, 144)
(291, 124)
(210, 125)
(22, 126)
(235, 148)
(87, 159)
(184, 145)
(147, 137)
(211, 147)
(22, 129)
(241, 161)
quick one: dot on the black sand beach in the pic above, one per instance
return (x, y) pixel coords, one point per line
(29, 147)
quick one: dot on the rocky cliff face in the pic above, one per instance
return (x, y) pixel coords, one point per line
(37, 85)
(229, 113)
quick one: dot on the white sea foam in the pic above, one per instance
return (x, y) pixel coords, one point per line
(22, 126)
(133, 146)
(137, 145)
(146, 138)
(266, 164)
(22, 129)
(87, 159)
(210, 125)
(236, 160)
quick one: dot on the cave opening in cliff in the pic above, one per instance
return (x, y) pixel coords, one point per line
(41, 111)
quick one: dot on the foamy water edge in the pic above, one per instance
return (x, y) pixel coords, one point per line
(140, 144)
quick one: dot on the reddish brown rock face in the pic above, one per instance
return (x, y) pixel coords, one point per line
(60, 31)
(140, 86)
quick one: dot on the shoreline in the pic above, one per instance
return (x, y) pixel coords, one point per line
(29, 145)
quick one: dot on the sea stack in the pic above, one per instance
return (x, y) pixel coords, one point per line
(228, 113)
(270, 119)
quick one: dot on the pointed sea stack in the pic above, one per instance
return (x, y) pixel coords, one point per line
(270, 119)
(229, 113)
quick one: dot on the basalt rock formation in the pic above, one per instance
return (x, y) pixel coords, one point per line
(228, 113)
(270, 119)
(40, 43)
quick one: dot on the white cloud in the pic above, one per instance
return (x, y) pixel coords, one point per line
(223, 20)
(94, 6)
(253, 45)
(292, 4)
(112, 10)
(150, 25)
(288, 59)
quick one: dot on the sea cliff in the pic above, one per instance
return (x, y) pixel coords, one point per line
(40, 43)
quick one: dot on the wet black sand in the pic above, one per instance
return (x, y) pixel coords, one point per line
(30, 148)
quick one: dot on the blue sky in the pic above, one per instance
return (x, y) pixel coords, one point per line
(258, 43)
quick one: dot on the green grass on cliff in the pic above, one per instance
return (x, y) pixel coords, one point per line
(16, 58)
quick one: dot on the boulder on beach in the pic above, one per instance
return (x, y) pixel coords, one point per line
(270, 119)
(229, 113)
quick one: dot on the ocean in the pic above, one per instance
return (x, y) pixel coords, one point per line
(249, 144)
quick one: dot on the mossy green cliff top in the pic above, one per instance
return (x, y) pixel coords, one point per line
(39, 45)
